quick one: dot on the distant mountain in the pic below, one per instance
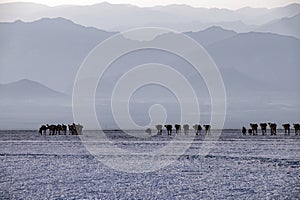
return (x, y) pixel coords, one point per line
(120, 17)
(260, 16)
(260, 72)
(195, 26)
(27, 104)
(21, 11)
(284, 26)
(53, 49)
(26, 89)
(268, 57)
(211, 35)
(46, 50)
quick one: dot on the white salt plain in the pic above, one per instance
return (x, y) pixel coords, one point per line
(238, 167)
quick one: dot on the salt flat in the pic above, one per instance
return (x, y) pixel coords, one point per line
(238, 167)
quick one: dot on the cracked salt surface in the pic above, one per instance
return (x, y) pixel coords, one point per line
(239, 167)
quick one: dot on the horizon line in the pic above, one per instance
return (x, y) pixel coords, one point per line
(139, 6)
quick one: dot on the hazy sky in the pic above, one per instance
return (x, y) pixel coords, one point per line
(231, 4)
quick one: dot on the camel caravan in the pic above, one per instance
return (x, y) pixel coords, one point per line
(74, 129)
(273, 129)
(253, 130)
(169, 129)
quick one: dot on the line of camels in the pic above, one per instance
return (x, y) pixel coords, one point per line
(197, 127)
(252, 131)
(273, 128)
(74, 129)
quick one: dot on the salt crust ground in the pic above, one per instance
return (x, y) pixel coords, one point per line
(239, 167)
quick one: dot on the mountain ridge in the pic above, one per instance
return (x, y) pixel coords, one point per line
(28, 89)
(63, 45)
(120, 17)
(260, 71)
(284, 26)
(168, 5)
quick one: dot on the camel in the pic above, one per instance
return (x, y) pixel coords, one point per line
(148, 130)
(159, 129)
(64, 129)
(244, 130)
(58, 129)
(169, 128)
(186, 128)
(78, 128)
(254, 128)
(207, 129)
(72, 129)
(197, 128)
(52, 129)
(263, 127)
(75, 129)
(273, 127)
(177, 128)
(297, 128)
(286, 128)
(43, 129)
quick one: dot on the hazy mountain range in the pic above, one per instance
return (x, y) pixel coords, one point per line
(284, 26)
(25, 104)
(27, 90)
(53, 49)
(260, 71)
(119, 17)
(256, 50)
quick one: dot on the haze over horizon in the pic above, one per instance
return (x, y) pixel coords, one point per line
(43, 48)
(231, 4)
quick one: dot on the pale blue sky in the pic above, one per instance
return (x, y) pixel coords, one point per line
(230, 4)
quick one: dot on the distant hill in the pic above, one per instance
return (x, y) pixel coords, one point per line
(46, 50)
(27, 104)
(270, 58)
(211, 35)
(53, 49)
(284, 26)
(120, 17)
(260, 72)
(26, 89)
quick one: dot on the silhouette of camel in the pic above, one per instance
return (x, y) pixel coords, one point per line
(75, 129)
(169, 129)
(263, 127)
(72, 129)
(159, 129)
(297, 128)
(58, 129)
(244, 130)
(273, 128)
(78, 128)
(177, 128)
(148, 130)
(64, 129)
(287, 128)
(186, 128)
(207, 129)
(43, 129)
(52, 129)
(197, 128)
(254, 128)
